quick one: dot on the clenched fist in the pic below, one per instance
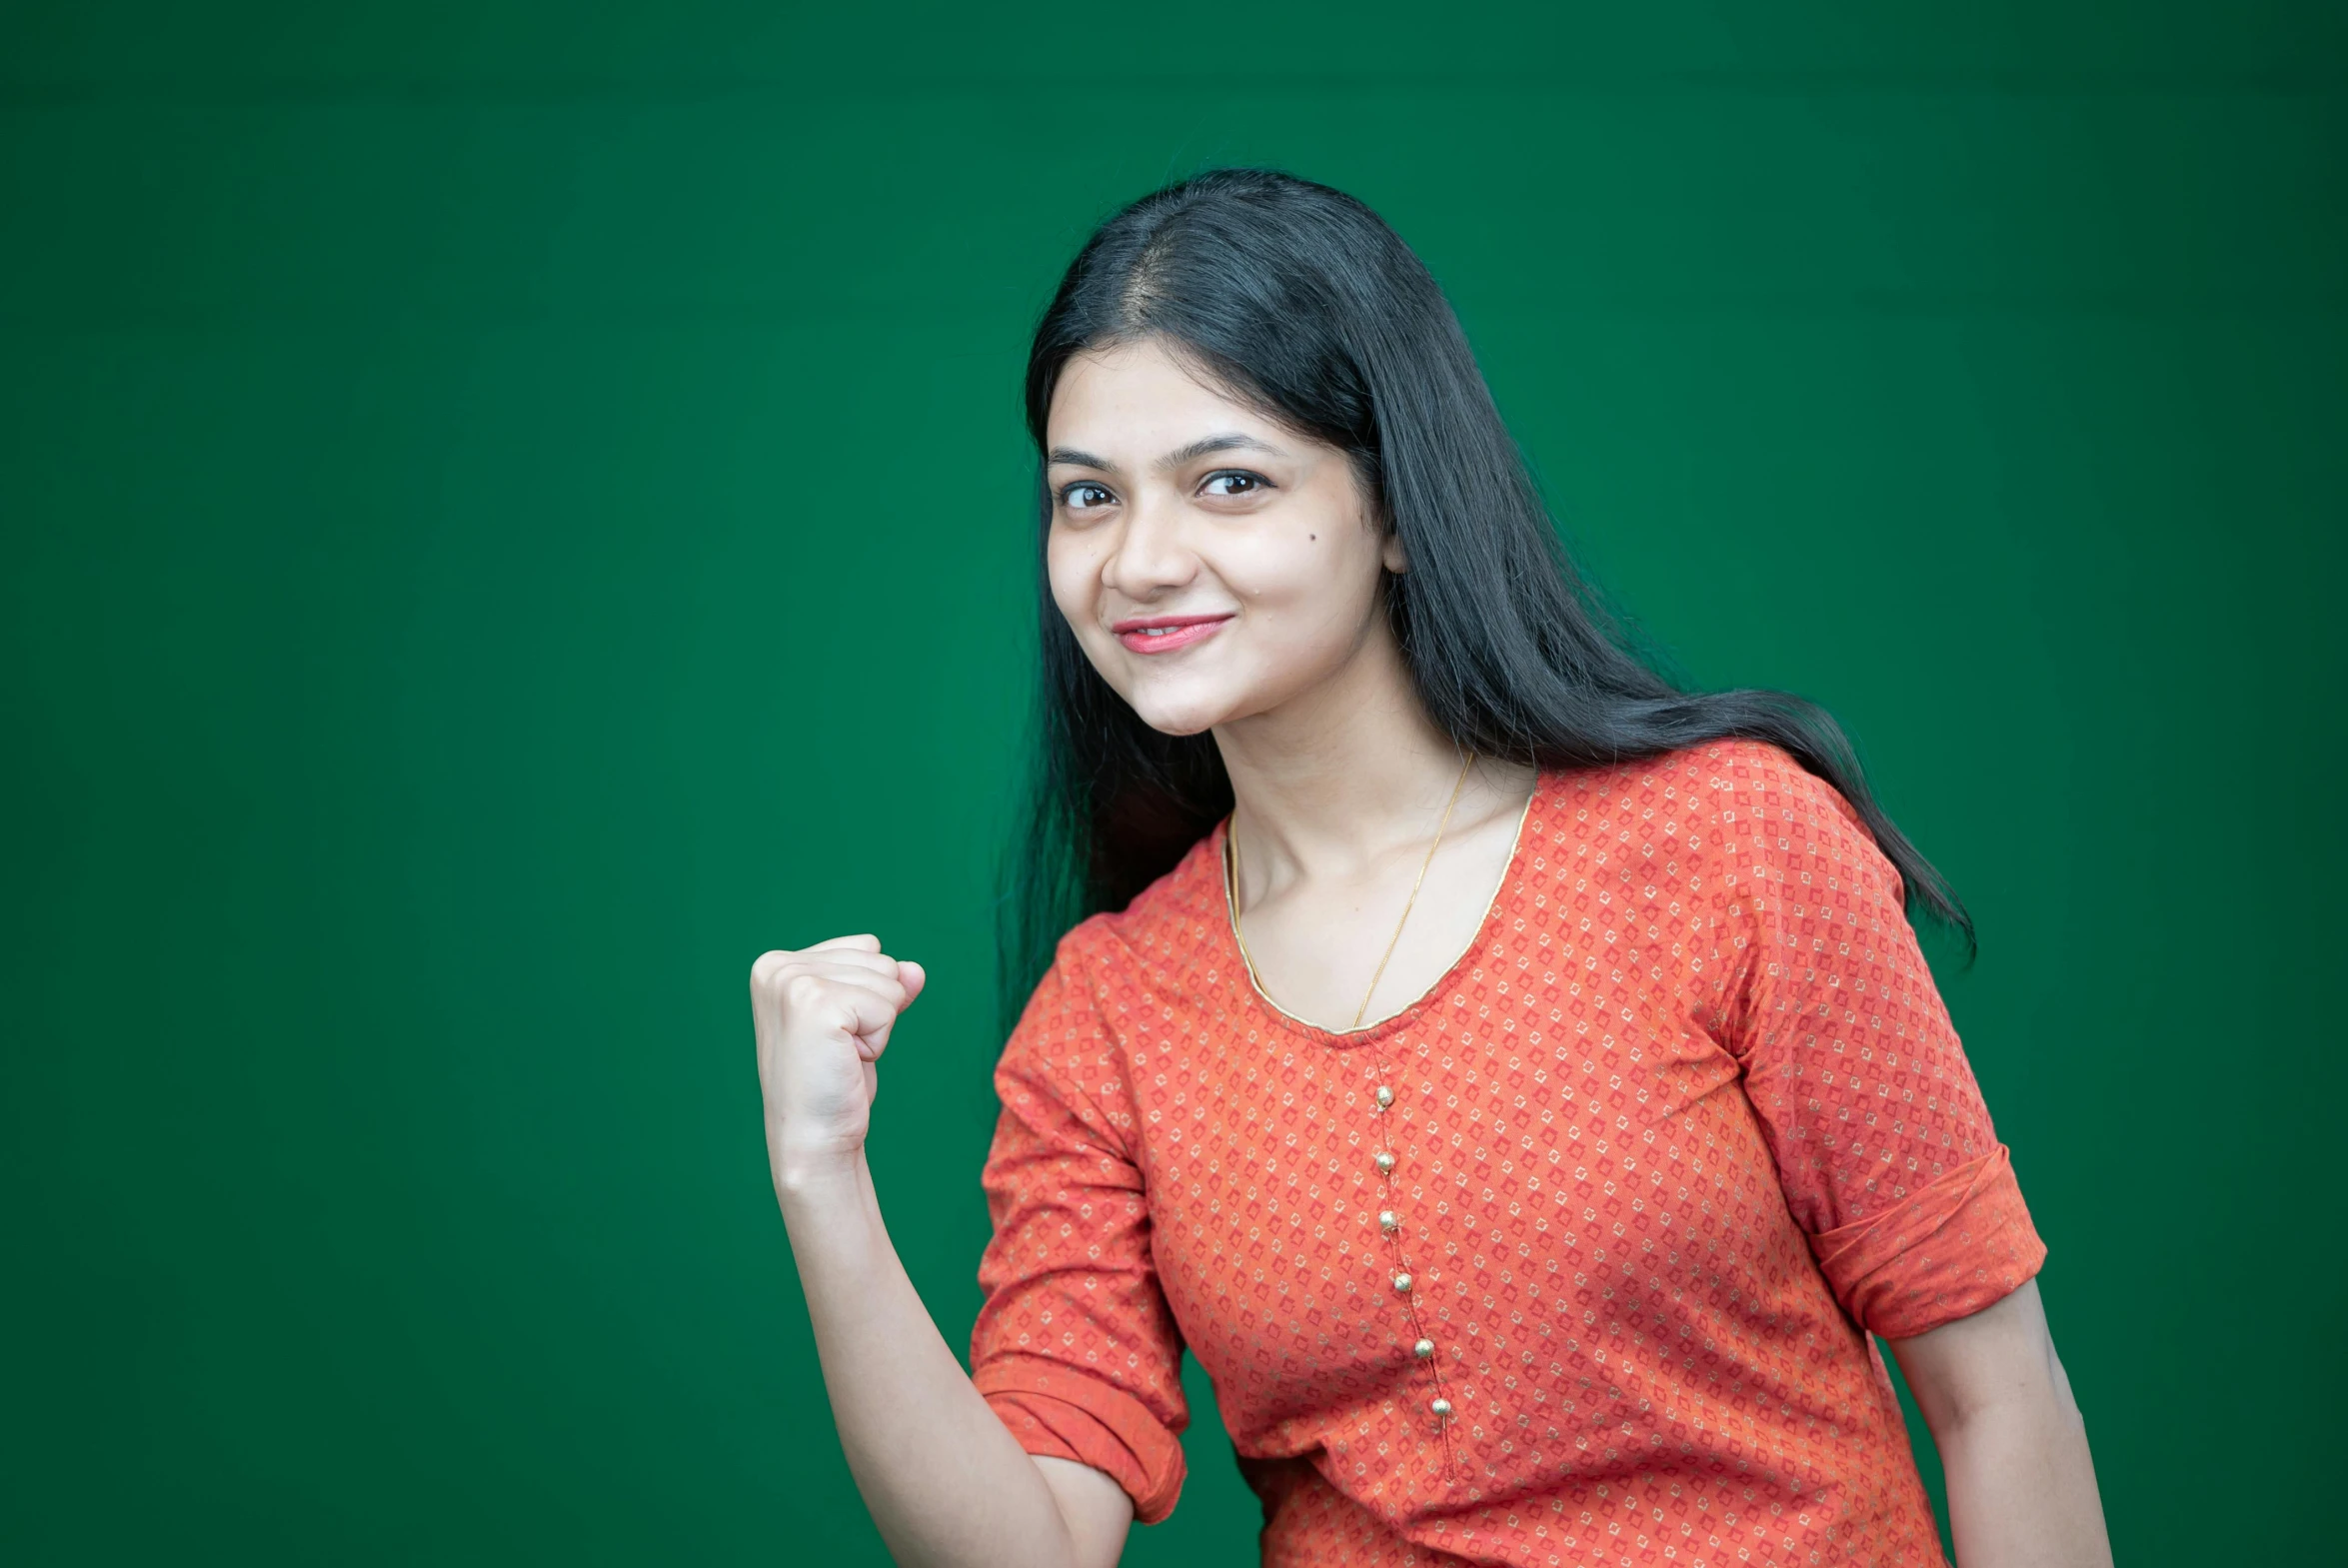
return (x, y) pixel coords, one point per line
(823, 1017)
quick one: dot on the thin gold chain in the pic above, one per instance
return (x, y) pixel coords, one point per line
(1379, 973)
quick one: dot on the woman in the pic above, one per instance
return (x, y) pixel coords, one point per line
(1517, 1079)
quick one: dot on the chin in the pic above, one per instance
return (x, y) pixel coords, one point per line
(1183, 721)
(1169, 714)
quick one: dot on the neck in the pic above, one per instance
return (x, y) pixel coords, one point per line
(1337, 776)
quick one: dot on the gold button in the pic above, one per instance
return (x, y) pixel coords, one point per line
(1387, 1219)
(1386, 1096)
(1424, 1350)
(1386, 1161)
(1441, 1408)
(1402, 1283)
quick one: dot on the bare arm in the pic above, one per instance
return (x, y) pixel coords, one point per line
(946, 1483)
(2021, 1486)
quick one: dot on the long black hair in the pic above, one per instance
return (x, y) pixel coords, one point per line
(1300, 300)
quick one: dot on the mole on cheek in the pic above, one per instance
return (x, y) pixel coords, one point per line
(1312, 535)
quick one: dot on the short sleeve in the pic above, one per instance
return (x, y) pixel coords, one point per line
(1075, 1348)
(1882, 1141)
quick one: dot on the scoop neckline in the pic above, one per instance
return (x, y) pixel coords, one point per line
(1369, 1033)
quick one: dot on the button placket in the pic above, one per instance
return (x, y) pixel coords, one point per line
(1390, 1226)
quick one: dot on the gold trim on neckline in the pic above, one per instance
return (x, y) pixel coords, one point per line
(1230, 911)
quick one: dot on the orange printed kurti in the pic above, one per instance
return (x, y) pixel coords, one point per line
(1572, 1261)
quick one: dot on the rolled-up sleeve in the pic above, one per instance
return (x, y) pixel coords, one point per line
(1075, 1348)
(1882, 1141)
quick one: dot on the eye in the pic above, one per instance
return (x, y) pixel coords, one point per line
(1233, 482)
(1083, 496)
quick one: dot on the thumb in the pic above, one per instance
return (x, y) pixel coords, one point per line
(913, 977)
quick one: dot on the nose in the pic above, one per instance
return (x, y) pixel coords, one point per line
(1151, 557)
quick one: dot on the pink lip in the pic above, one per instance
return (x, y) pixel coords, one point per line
(1165, 634)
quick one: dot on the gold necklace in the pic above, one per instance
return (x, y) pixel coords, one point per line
(1232, 842)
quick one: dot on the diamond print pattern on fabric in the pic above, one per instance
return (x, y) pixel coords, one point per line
(1573, 1260)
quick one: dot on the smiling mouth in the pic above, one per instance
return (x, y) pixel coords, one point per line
(1165, 634)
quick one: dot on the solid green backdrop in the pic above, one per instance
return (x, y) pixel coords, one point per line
(512, 510)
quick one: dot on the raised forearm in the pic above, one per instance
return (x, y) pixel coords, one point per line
(946, 1482)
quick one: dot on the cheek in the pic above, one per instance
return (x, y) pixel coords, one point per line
(1307, 584)
(1073, 575)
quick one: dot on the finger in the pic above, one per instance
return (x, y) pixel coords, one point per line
(913, 977)
(847, 959)
(867, 943)
(886, 986)
(870, 1045)
(779, 963)
(871, 1038)
(878, 971)
(830, 970)
(839, 1005)
(872, 1083)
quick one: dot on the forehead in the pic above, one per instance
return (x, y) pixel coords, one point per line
(1141, 395)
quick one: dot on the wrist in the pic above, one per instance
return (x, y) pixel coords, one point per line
(814, 1175)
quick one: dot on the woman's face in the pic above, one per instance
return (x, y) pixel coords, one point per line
(1213, 563)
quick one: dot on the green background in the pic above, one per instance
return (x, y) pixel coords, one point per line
(512, 510)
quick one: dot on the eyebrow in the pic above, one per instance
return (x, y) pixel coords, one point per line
(1201, 447)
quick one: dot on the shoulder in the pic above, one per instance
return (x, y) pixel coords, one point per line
(1758, 778)
(1149, 952)
(1717, 777)
(1717, 784)
(1169, 929)
(1780, 832)
(1723, 814)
